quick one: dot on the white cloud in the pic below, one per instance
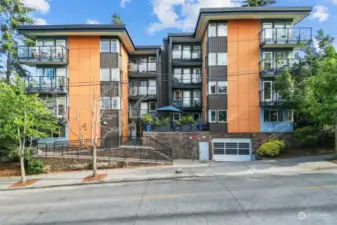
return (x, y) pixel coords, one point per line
(39, 5)
(333, 1)
(123, 2)
(39, 21)
(181, 14)
(321, 13)
(92, 22)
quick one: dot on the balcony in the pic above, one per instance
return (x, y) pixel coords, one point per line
(285, 37)
(141, 92)
(271, 67)
(39, 84)
(187, 103)
(142, 70)
(43, 55)
(138, 113)
(187, 81)
(186, 57)
(271, 98)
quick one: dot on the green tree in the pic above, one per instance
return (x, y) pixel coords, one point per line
(116, 19)
(256, 3)
(311, 84)
(13, 14)
(23, 118)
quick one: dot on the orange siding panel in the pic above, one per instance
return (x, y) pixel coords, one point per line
(243, 76)
(204, 78)
(125, 93)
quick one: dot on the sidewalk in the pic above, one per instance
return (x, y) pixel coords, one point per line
(189, 169)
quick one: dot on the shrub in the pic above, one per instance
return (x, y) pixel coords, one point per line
(271, 148)
(307, 136)
(121, 163)
(161, 122)
(187, 120)
(147, 118)
(35, 166)
(13, 154)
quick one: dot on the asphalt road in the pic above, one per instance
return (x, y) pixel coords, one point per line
(255, 199)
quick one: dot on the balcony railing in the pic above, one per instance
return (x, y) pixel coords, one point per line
(43, 54)
(138, 113)
(186, 55)
(275, 67)
(39, 84)
(187, 79)
(60, 111)
(142, 67)
(187, 102)
(290, 36)
(269, 97)
(142, 91)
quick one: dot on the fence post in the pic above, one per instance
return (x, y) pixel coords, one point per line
(156, 154)
(140, 155)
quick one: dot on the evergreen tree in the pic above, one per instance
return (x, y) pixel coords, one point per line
(256, 3)
(116, 19)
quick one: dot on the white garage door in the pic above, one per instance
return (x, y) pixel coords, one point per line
(232, 149)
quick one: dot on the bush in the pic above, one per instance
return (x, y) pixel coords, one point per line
(121, 163)
(13, 154)
(271, 148)
(307, 136)
(35, 166)
(187, 120)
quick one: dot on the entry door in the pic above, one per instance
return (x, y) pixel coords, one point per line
(187, 98)
(281, 32)
(203, 151)
(143, 109)
(267, 91)
(268, 32)
(268, 61)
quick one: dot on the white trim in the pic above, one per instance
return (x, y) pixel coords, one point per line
(210, 116)
(264, 91)
(222, 110)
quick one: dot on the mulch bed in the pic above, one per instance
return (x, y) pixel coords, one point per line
(9, 169)
(27, 183)
(99, 177)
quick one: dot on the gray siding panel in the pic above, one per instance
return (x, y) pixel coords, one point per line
(109, 60)
(164, 82)
(218, 127)
(217, 102)
(109, 88)
(216, 73)
(217, 44)
(112, 120)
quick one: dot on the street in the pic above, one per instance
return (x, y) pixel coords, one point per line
(305, 198)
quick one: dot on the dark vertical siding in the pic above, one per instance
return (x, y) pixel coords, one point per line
(217, 44)
(218, 127)
(109, 60)
(217, 73)
(111, 117)
(109, 88)
(164, 89)
(217, 102)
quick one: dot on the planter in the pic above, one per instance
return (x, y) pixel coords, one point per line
(186, 128)
(147, 127)
(162, 129)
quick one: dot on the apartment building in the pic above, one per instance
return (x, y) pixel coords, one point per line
(222, 74)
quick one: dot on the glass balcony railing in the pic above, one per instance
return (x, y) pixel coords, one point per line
(138, 113)
(43, 54)
(270, 97)
(275, 66)
(142, 91)
(187, 102)
(39, 84)
(60, 111)
(186, 54)
(288, 36)
(142, 67)
(189, 79)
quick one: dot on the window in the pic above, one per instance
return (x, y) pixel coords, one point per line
(152, 64)
(105, 103)
(222, 87)
(212, 116)
(212, 30)
(212, 87)
(222, 59)
(152, 87)
(152, 106)
(212, 59)
(114, 46)
(176, 116)
(217, 30)
(222, 29)
(273, 115)
(142, 64)
(196, 98)
(105, 74)
(187, 76)
(115, 103)
(176, 53)
(115, 74)
(196, 54)
(105, 46)
(196, 116)
(196, 76)
(177, 75)
(222, 116)
(186, 52)
(290, 115)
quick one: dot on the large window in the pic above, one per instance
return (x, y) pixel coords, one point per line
(217, 116)
(110, 102)
(217, 59)
(48, 78)
(217, 87)
(187, 75)
(273, 115)
(143, 64)
(186, 52)
(110, 74)
(217, 30)
(143, 87)
(110, 45)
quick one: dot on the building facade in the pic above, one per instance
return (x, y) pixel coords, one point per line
(222, 74)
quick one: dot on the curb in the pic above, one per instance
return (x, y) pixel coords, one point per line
(100, 182)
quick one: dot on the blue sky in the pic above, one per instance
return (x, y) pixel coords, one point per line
(148, 21)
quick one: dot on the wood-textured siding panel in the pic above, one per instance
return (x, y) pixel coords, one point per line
(109, 60)
(217, 44)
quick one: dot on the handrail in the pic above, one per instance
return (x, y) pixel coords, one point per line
(182, 78)
(43, 52)
(47, 83)
(288, 34)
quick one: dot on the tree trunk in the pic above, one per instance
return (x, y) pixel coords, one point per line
(9, 67)
(22, 168)
(94, 161)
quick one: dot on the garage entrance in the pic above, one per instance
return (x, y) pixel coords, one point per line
(232, 149)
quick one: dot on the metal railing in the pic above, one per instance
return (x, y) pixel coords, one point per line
(275, 66)
(60, 111)
(46, 84)
(142, 67)
(138, 113)
(183, 79)
(118, 148)
(285, 35)
(142, 91)
(186, 54)
(270, 97)
(43, 53)
(186, 102)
